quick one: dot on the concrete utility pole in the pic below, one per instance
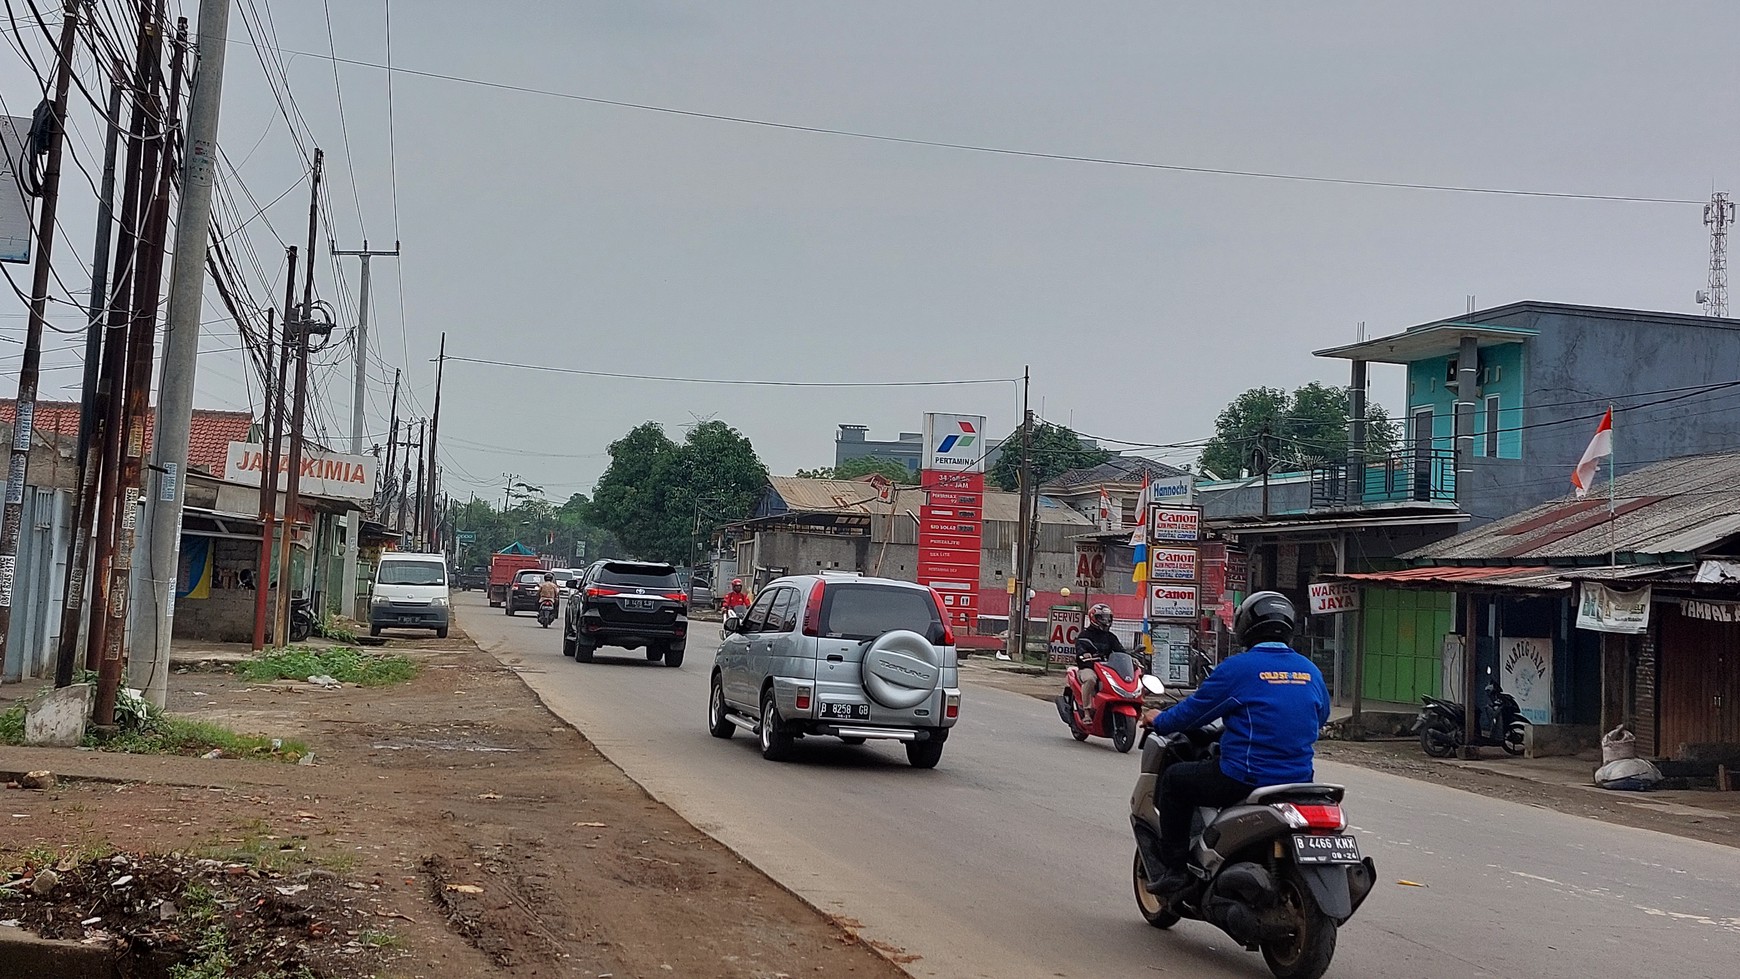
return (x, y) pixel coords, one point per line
(150, 672)
(353, 521)
(49, 129)
(432, 539)
(302, 322)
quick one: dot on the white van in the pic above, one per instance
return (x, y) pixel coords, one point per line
(410, 591)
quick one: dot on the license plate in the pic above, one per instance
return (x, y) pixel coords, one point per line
(407, 618)
(846, 712)
(1325, 849)
(638, 604)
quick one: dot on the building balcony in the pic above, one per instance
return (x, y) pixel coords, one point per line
(1409, 476)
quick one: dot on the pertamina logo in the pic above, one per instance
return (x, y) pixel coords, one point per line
(958, 440)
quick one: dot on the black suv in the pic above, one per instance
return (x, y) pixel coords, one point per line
(523, 591)
(630, 605)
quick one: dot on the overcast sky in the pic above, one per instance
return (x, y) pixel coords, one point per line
(561, 232)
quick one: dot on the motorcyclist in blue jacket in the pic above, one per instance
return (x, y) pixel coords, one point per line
(1273, 702)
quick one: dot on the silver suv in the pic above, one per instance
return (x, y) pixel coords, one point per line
(843, 656)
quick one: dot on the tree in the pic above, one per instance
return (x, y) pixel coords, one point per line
(1056, 450)
(893, 469)
(659, 497)
(535, 522)
(1268, 429)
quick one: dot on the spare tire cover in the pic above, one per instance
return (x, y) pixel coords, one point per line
(901, 669)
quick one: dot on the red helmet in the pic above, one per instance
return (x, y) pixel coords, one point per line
(737, 582)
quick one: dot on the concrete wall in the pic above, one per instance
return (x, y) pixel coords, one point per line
(227, 616)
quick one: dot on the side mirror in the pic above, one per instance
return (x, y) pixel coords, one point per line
(732, 622)
(1151, 685)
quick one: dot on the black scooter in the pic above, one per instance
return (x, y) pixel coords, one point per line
(546, 611)
(1279, 872)
(301, 618)
(1442, 724)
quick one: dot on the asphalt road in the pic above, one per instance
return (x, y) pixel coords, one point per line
(1012, 858)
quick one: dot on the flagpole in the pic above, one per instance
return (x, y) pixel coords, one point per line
(1612, 511)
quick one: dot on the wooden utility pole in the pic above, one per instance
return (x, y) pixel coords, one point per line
(147, 287)
(273, 451)
(93, 403)
(50, 129)
(385, 493)
(431, 542)
(419, 520)
(268, 505)
(1024, 512)
(302, 325)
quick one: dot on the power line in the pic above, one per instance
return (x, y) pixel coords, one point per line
(734, 381)
(994, 150)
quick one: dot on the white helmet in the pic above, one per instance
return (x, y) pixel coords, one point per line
(1101, 615)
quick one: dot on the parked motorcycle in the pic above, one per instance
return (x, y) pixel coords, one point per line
(546, 611)
(1278, 872)
(1116, 706)
(1442, 724)
(301, 618)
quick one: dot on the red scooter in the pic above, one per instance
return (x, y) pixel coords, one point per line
(1116, 707)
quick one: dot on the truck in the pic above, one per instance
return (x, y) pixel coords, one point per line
(502, 568)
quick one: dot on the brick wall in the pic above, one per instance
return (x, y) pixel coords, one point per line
(1643, 689)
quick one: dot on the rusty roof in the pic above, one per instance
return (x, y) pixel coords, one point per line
(209, 438)
(1526, 578)
(850, 497)
(1679, 506)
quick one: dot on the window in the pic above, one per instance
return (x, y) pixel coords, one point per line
(410, 573)
(639, 575)
(756, 619)
(1492, 427)
(867, 611)
(784, 615)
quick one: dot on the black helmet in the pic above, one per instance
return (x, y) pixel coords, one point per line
(1101, 615)
(1266, 616)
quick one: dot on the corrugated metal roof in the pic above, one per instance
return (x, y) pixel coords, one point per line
(1680, 506)
(1123, 469)
(1532, 578)
(855, 497)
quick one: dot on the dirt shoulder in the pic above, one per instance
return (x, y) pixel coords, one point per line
(1713, 817)
(486, 836)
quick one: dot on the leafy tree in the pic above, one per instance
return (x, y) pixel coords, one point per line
(1056, 450)
(657, 496)
(1293, 431)
(893, 469)
(535, 522)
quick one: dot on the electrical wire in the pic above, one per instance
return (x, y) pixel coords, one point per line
(732, 381)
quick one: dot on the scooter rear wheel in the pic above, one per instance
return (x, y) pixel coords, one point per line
(1437, 739)
(1306, 953)
(1154, 910)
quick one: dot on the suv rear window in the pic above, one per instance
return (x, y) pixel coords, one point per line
(867, 611)
(639, 575)
(410, 573)
(525, 576)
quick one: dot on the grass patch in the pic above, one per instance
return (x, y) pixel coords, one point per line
(12, 725)
(344, 663)
(171, 735)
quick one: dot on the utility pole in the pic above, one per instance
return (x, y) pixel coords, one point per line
(1018, 601)
(93, 403)
(147, 285)
(275, 529)
(116, 357)
(181, 347)
(434, 443)
(387, 481)
(353, 521)
(303, 324)
(29, 372)
(418, 518)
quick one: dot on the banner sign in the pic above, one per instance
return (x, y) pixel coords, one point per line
(1172, 650)
(1330, 597)
(954, 443)
(1090, 565)
(1182, 524)
(1172, 601)
(1604, 609)
(329, 474)
(1693, 608)
(1528, 676)
(1172, 564)
(1066, 624)
(1174, 489)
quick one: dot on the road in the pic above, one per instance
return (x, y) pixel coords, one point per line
(1012, 858)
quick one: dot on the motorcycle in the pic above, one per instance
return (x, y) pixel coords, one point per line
(301, 618)
(1442, 724)
(1278, 872)
(1117, 704)
(546, 611)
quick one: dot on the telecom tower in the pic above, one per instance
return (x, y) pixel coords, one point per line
(1718, 215)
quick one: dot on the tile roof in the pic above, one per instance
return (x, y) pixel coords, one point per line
(1678, 506)
(209, 444)
(1123, 469)
(852, 496)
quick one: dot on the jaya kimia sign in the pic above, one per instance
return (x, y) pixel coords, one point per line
(329, 474)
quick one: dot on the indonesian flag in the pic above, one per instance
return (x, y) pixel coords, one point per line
(1139, 537)
(1105, 509)
(1600, 447)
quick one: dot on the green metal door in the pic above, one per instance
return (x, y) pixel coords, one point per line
(1404, 637)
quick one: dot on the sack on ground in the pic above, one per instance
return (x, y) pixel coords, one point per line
(1617, 744)
(1628, 775)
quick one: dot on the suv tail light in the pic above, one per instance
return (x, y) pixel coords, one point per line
(813, 611)
(952, 706)
(1313, 817)
(598, 592)
(948, 636)
(677, 596)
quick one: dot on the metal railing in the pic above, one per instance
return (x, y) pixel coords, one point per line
(1403, 476)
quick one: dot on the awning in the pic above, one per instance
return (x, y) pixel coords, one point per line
(1452, 578)
(202, 522)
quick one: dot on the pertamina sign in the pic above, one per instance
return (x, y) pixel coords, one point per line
(329, 474)
(954, 443)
